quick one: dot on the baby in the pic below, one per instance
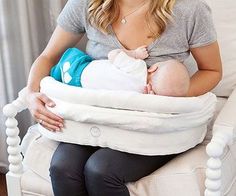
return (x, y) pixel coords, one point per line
(123, 70)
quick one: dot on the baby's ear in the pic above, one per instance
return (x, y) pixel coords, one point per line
(153, 68)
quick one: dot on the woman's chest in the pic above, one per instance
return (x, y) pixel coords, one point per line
(132, 34)
(172, 44)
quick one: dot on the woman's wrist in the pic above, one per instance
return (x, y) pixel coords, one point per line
(31, 92)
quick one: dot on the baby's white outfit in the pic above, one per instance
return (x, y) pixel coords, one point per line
(125, 73)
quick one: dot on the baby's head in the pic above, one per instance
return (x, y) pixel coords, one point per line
(170, 79)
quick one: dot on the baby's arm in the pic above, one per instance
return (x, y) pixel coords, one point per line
(139, 53)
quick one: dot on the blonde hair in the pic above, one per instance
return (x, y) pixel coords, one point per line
(102, 13)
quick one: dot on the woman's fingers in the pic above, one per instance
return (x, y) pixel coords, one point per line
(37, 102)
(43, 110)
(153, 68)
(46, 100)
(145, 90)
(51, 120)
(49, 126)
(48, 117)
(151, 92)
(149, 89)
(44, 117)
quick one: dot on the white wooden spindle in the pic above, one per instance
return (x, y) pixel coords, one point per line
(13, 141)
(222, 135)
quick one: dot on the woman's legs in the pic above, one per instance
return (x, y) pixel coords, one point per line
(67, 168)
(107, 171)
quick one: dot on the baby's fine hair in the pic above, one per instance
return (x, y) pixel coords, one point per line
(171, 79)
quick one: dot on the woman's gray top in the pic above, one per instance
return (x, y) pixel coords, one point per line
(192, 27)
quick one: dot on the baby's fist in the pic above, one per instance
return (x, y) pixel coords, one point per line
(141, 52)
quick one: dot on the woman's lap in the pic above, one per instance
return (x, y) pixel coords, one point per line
(66, 169)
(130, 167)
(103, 170)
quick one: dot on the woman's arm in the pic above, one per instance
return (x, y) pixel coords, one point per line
(59, 42)
(210, 69)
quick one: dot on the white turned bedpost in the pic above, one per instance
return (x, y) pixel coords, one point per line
(222, 136)
(13, 141)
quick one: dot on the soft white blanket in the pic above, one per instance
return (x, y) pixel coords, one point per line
(125, 73)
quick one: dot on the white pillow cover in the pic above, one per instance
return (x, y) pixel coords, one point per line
(105, 118)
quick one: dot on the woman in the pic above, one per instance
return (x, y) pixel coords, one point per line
(170, 29)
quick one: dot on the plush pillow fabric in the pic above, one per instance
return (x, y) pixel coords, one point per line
(224, 16)
(128, 115)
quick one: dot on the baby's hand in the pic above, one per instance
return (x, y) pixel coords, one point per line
(141, 52)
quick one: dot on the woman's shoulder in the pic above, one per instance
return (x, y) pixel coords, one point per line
(190, 4)
(187, 8)
(73, 17)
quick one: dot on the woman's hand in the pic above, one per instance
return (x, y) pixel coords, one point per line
(152, 68)
(37, 102)
(59, 42)
(148, 87)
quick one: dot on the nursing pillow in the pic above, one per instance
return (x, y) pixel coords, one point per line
(128, 121)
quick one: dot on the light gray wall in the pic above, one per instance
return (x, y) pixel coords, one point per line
(25, 28)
